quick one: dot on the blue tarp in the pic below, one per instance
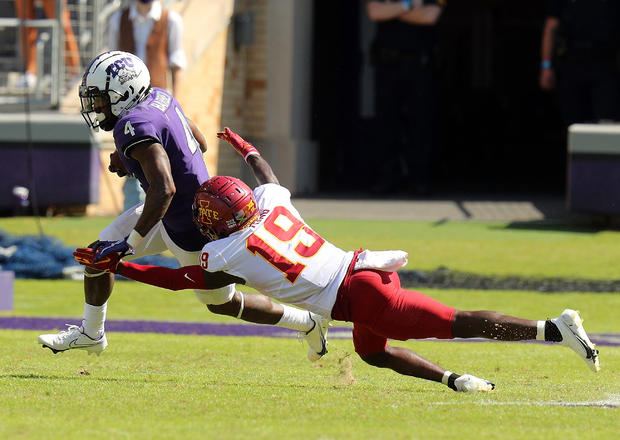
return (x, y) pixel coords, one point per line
(45, 257)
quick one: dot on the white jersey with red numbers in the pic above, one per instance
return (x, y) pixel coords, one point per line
(281, 256)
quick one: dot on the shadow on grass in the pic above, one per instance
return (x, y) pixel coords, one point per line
(77, 376)
(556, 226)
(445, 278)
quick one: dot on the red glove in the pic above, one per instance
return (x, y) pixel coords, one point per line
(244, 148)
(85, 256)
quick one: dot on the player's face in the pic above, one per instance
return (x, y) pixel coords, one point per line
(101, 107)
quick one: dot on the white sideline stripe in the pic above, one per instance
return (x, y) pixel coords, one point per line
(613, 401)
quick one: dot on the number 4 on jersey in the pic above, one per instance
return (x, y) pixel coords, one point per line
(129, 128)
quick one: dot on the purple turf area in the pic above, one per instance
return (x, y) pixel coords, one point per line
(203, 328)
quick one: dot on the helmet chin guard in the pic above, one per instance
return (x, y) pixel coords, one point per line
(223, 205)
(114, 83)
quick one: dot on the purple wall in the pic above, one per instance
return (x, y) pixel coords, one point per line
(63, 174)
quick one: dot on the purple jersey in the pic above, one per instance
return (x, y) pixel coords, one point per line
(159, 118)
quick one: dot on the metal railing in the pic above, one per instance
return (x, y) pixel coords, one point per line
(88, 23)
(54, 77)
(13, 67)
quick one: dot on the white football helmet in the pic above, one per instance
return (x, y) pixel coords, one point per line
(113, 83)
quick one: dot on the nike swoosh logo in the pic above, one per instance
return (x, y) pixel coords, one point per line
(584, 344)
(187, 276)
(586, 348)
(72, 344)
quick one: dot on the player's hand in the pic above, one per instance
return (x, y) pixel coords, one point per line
(103, 249)
(116, 165)
(244, 148)
(86, 256)
(472, 384)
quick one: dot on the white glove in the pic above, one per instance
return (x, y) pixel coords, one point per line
(471, 384)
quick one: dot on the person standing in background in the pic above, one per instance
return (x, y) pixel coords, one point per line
(403, 54)
(580, 51)
(25, 10)
(155, 35)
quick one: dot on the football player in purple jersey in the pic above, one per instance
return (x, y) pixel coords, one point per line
(162, 148)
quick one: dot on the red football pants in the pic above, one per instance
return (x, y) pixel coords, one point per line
(380, 309)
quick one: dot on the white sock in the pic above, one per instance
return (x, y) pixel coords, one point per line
(295, 319)
(540, 331)
(94, 320)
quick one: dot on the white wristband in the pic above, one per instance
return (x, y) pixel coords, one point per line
(134, 239)
(251, 153)
(446, 376)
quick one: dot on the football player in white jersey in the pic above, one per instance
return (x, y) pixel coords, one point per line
(259, 239)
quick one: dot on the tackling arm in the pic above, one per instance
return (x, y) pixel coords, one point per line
(262, 170)
(251, 307)
(187, 277)
(259, 166)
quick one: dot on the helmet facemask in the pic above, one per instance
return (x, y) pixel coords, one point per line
(97, 107)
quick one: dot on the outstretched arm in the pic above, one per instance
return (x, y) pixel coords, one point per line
(259, 166)
(250, 307)
(407, 362)
(262, 170)
(187, 277)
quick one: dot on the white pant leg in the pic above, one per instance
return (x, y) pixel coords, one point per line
(120, 228)
(122, 225)
(186, 258)
(157, 241)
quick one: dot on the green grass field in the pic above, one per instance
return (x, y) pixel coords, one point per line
(541, 250)
(152, 386)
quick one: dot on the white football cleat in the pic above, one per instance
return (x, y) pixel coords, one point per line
(73, 338)
(316, 337)
(574, 336)
(472, 384)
